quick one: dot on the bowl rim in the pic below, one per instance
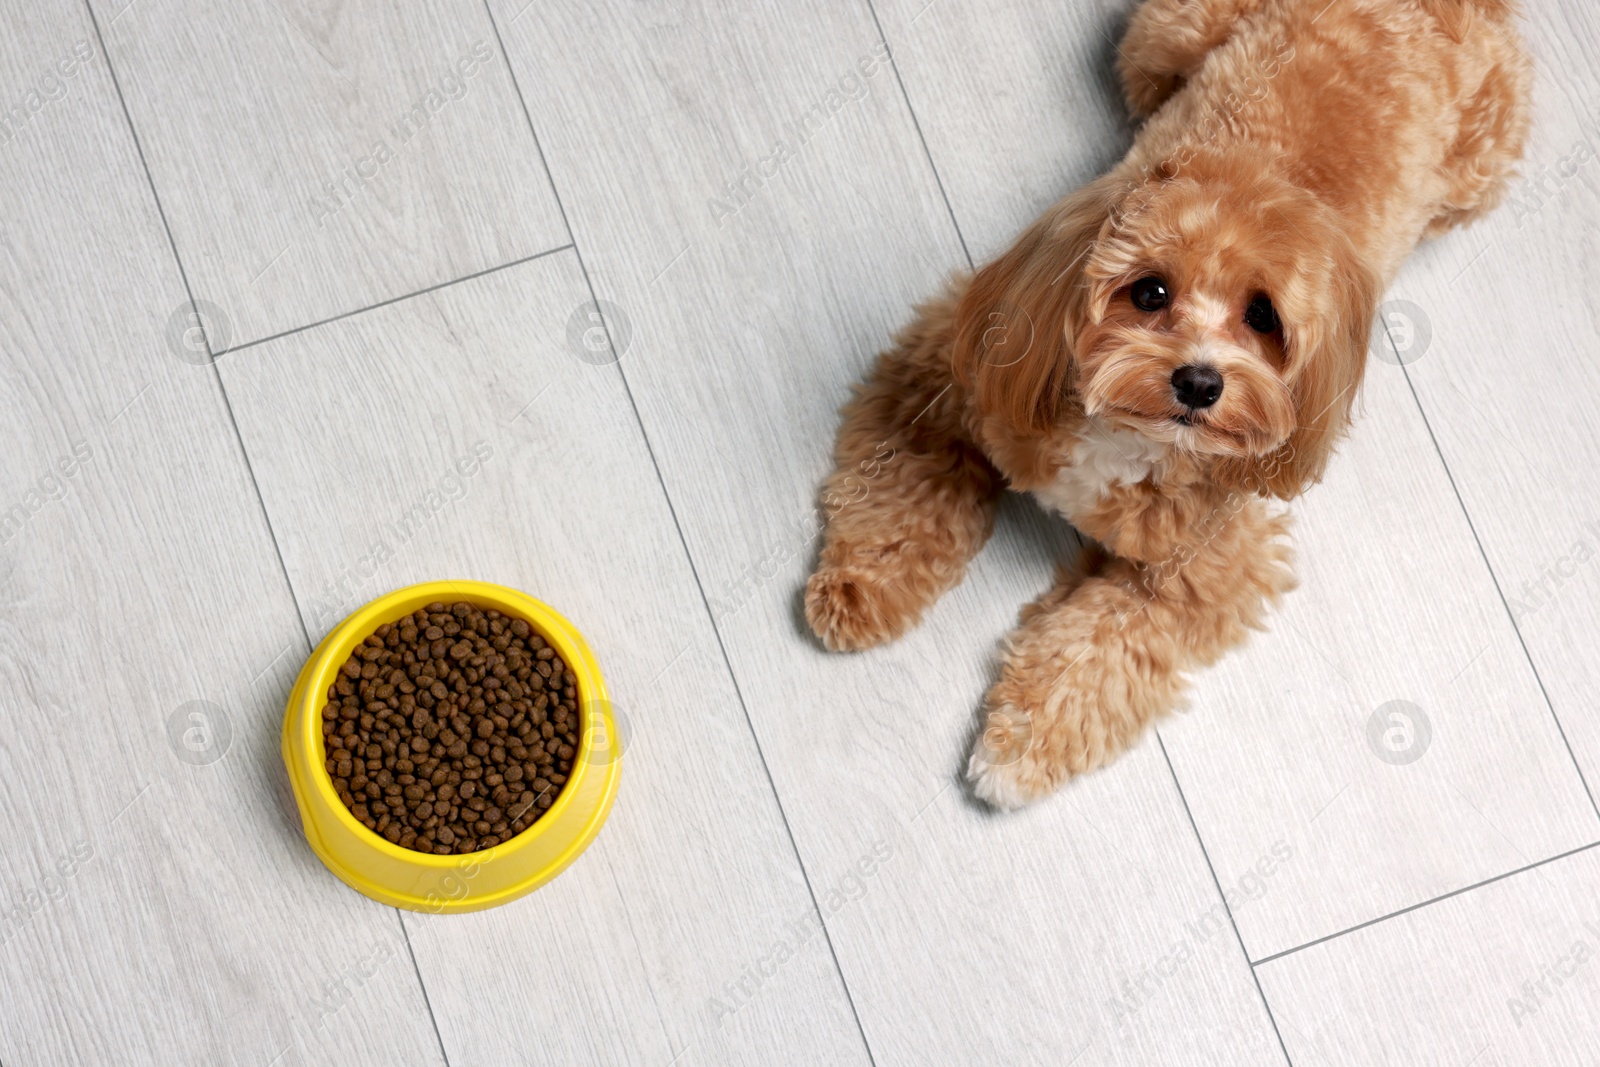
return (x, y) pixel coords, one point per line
(364, 621)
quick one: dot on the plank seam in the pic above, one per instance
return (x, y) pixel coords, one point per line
(1425, 903)
(683, 541)
(916, 124)
(390, 300)
(1493, 577)
(1210, 867)
(155, 196)
(1217, 884)
(426, 1000)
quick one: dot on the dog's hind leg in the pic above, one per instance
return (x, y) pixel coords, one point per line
(1494, 125)
(911, 499)
(1165, 43)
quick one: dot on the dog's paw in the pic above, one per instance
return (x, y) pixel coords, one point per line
(849, 611)
(1005, 769)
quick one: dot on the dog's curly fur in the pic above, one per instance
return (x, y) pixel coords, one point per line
(1292, 149)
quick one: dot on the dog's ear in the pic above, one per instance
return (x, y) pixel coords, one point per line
(1018, 321)
(1326, 359)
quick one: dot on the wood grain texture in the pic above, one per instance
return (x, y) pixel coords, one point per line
(357, 428)
(1396, 602)
(1508, 377)
(751, 197)
(1018, 102)
(1504, 975)
(318, 158)
(790, 221)
(154, 910)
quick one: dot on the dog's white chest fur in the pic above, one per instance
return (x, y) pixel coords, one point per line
(1100, 457)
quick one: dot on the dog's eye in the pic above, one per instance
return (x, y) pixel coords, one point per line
(1149, 294)
(1260, 315)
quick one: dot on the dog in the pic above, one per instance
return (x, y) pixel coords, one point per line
(1167, 355)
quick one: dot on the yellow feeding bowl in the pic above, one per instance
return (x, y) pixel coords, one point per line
(430, 883)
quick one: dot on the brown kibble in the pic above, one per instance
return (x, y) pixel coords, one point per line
(435, 733)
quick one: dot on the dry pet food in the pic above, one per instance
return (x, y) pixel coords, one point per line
(452, 729)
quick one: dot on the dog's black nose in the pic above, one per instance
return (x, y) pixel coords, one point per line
(1196, 386)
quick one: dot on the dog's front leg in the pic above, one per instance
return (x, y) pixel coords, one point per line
(1103, 653)
(911, 501)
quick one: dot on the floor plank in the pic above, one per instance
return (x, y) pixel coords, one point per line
(154, 887)
(754, 203)
(1395, 603)
(750, 305)
(1507, 378)
(1031, 81)
(314, 159)
(625, 958)
(1501, 976)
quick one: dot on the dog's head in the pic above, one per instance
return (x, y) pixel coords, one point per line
(1217, 308)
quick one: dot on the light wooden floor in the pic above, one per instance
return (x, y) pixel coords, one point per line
(393, 220)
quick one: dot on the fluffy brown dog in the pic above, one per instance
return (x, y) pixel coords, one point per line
(1166, 351)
